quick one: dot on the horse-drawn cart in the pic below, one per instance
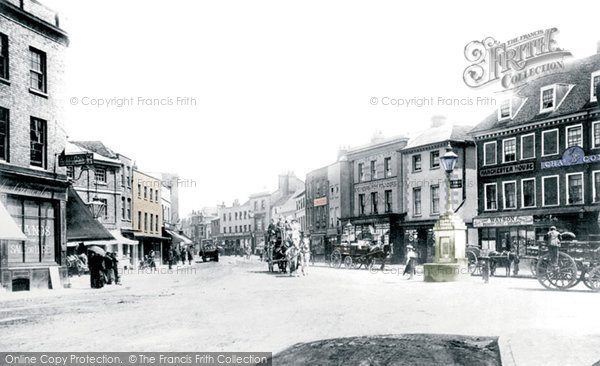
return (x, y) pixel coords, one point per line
(577, 262)
(357, 255)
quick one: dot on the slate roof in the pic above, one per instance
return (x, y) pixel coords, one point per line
(97, 147)
(576, 74)
(446, 132)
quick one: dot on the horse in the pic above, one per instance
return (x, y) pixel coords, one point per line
(503, 259)
(292, 253)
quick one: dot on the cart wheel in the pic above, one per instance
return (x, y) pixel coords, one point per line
(561, 276)
(348, 262)
(336, 259)
(472, 258)
(592, 279)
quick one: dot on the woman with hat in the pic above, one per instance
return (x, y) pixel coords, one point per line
(411, 262)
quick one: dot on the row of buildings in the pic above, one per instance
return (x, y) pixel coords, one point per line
(55, 194)
(534, 162)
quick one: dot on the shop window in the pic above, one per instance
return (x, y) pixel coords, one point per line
(574, 136)
(528, 146)
(374, 202)
(4, 134)
(528, 193)
(550, 193)
(417, 202)
(434, 159)
(36, 219)
(550, 142)
(435, 199)
(510, 195)
(575, 188)
(489, 153)
(491, 197)
(416, 163)
(509, 148)
(388, 201)
(488, 238)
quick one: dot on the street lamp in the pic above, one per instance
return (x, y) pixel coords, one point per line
(96, 206)
(449, 160)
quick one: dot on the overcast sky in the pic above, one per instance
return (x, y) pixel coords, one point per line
(278, 85)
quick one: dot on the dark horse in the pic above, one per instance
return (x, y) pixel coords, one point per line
(279, 255)
(504, 260)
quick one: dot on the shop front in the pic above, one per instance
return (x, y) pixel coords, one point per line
(37, 205)
(419, 234)
(385, 229)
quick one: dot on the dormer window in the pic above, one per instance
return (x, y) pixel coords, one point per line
(547, 99)
(505, 110)
(595, 82)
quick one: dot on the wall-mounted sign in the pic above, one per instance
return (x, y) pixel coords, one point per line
(376, 185)
(572, 156)
(75, 159)
(503, 221)
(455, 183)
(320, 201)
(503, 170)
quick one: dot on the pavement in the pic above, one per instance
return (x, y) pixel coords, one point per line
(237, 305)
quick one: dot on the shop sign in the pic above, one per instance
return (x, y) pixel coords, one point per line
(373, 186)
(503, 221)
(320, 201)
(572, 156)
(456, 183)
(503, 170)
(75, 159)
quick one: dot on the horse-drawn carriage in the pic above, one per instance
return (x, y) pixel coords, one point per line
(496, 260)
(358, 254)
(577, 261)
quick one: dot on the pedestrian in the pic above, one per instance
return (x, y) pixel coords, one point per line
(190, 255)
(183, 255)
(96, 265)
(485, 269)
(108, 267)
(151, 260)
(411, 262)
(170, 256)
(553, 244)
(304, 252)
(115, 260)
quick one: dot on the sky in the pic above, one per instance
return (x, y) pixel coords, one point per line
(229, 94)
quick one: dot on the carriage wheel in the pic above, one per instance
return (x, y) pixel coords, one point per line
(561, 276)
(348, 262)
(472, 258)
(592, 279)
(336, 259)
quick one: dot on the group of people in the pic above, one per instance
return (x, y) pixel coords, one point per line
(184, 254)
(289, 245)
(103, 266)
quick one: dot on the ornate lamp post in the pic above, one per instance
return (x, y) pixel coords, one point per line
(449, 263)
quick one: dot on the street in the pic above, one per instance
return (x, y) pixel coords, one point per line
(236, 305)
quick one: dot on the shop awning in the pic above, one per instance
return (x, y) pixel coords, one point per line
(118, 239)
(179, 238)
(146, 236)
(81, 225)
(9, 230)
(121, 239)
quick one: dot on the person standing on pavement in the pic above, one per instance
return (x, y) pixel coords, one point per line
(411, 262)
(170, 256)
(553, 244)
(190, 255)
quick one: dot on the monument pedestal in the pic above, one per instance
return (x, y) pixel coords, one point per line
(449, 263)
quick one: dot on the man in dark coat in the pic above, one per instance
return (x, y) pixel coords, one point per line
(109, 270)
(96, 265)
(171, 254)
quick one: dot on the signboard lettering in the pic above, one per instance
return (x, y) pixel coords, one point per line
(373, 186)
(503, 221)
(503, 170)
(572, 156)
(75, 159)
(456, 183)
(320, 201)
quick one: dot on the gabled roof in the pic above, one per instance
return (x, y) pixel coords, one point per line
(97, 147)
(446, 132)
(573, 95)
(71, 149)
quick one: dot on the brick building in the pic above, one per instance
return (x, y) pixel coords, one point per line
(147, 216)
(539, 161)
(33, 187)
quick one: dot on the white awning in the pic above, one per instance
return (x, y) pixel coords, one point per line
(178, 237)
(9, 230)
(119, 239)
